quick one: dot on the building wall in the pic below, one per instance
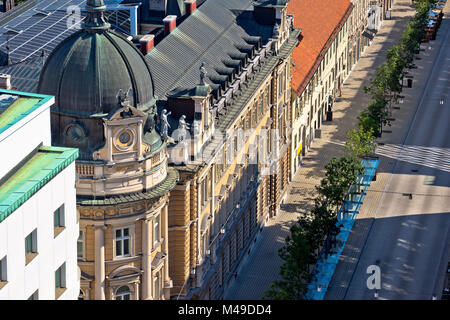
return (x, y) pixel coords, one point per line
(27, 133)
(310, 106)
(358, 23)
(105, 272)
(37, 213)
(227, 202)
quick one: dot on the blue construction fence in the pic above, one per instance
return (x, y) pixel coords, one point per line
(329, 256)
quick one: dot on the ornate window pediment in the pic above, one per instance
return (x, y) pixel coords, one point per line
(124, 276)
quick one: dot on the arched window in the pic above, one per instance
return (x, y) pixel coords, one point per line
(123, 293)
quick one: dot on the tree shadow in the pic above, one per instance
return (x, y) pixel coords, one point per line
(407, 250)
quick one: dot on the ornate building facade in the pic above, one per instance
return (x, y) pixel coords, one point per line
(320, 68)
(364, 22)
(226, 99)
(104, 106)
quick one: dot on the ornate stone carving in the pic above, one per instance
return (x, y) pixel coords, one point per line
(183, 127)
(123, 98)
(203, 74)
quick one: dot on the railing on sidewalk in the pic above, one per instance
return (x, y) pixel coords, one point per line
(328, 258)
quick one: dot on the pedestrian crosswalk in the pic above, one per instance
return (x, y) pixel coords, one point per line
(432, 157)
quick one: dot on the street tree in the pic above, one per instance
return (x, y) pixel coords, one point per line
(360, 142)
(296, 268)
(340, 174)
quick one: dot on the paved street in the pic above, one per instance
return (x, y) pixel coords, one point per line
(261, 267)
(408, 237)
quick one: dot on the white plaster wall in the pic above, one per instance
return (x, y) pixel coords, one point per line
(37, 212)
(295, 144)
(24, 136)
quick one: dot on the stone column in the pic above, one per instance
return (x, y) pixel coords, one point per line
(136, 290)
(146, 260)
(199, 212)
(165, 226)
(213, 199)
(99, 262)
(165, 229)
(110, 144)
(139, 139)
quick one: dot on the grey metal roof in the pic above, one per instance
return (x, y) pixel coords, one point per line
(47, 22)
(41, 27)
(217, 31)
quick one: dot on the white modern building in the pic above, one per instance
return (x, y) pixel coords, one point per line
(39, 226)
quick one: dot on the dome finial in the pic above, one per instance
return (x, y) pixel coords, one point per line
(95, 20)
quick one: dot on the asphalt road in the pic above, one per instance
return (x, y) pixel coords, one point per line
(409, 236)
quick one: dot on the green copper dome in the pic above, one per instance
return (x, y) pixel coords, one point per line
(86, 71)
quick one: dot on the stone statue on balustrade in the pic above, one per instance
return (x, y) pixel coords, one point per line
(165, 124)
(182, 129)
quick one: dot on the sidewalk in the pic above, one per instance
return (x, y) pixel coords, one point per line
(261, 267)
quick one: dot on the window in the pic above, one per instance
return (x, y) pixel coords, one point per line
(60, 276)
(34, 296)
(80, 245)
(58, 217)
(123, 242)
(204, 192)
(156, 287)
(208, 185)
(156, 229)
(3, 271)
(123, 293)
(58, 220)
(60, 280)
(31, 246)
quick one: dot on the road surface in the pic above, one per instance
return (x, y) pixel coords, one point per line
(408, 237)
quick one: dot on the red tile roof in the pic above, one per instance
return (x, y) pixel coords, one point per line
(320, 21)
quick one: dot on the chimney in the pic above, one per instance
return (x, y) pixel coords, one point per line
(5, 81)
(147, 43)
(170, 22)
(190, 6)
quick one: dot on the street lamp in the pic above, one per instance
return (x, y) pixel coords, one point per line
(381, 126)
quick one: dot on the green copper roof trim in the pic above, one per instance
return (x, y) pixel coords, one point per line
(20, 108)
(155, 192)
(42, 167)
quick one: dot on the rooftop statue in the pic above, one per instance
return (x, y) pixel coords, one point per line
(165, 124)
(203, 74)
(182, 128)
(123, 98)
(276, 30)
